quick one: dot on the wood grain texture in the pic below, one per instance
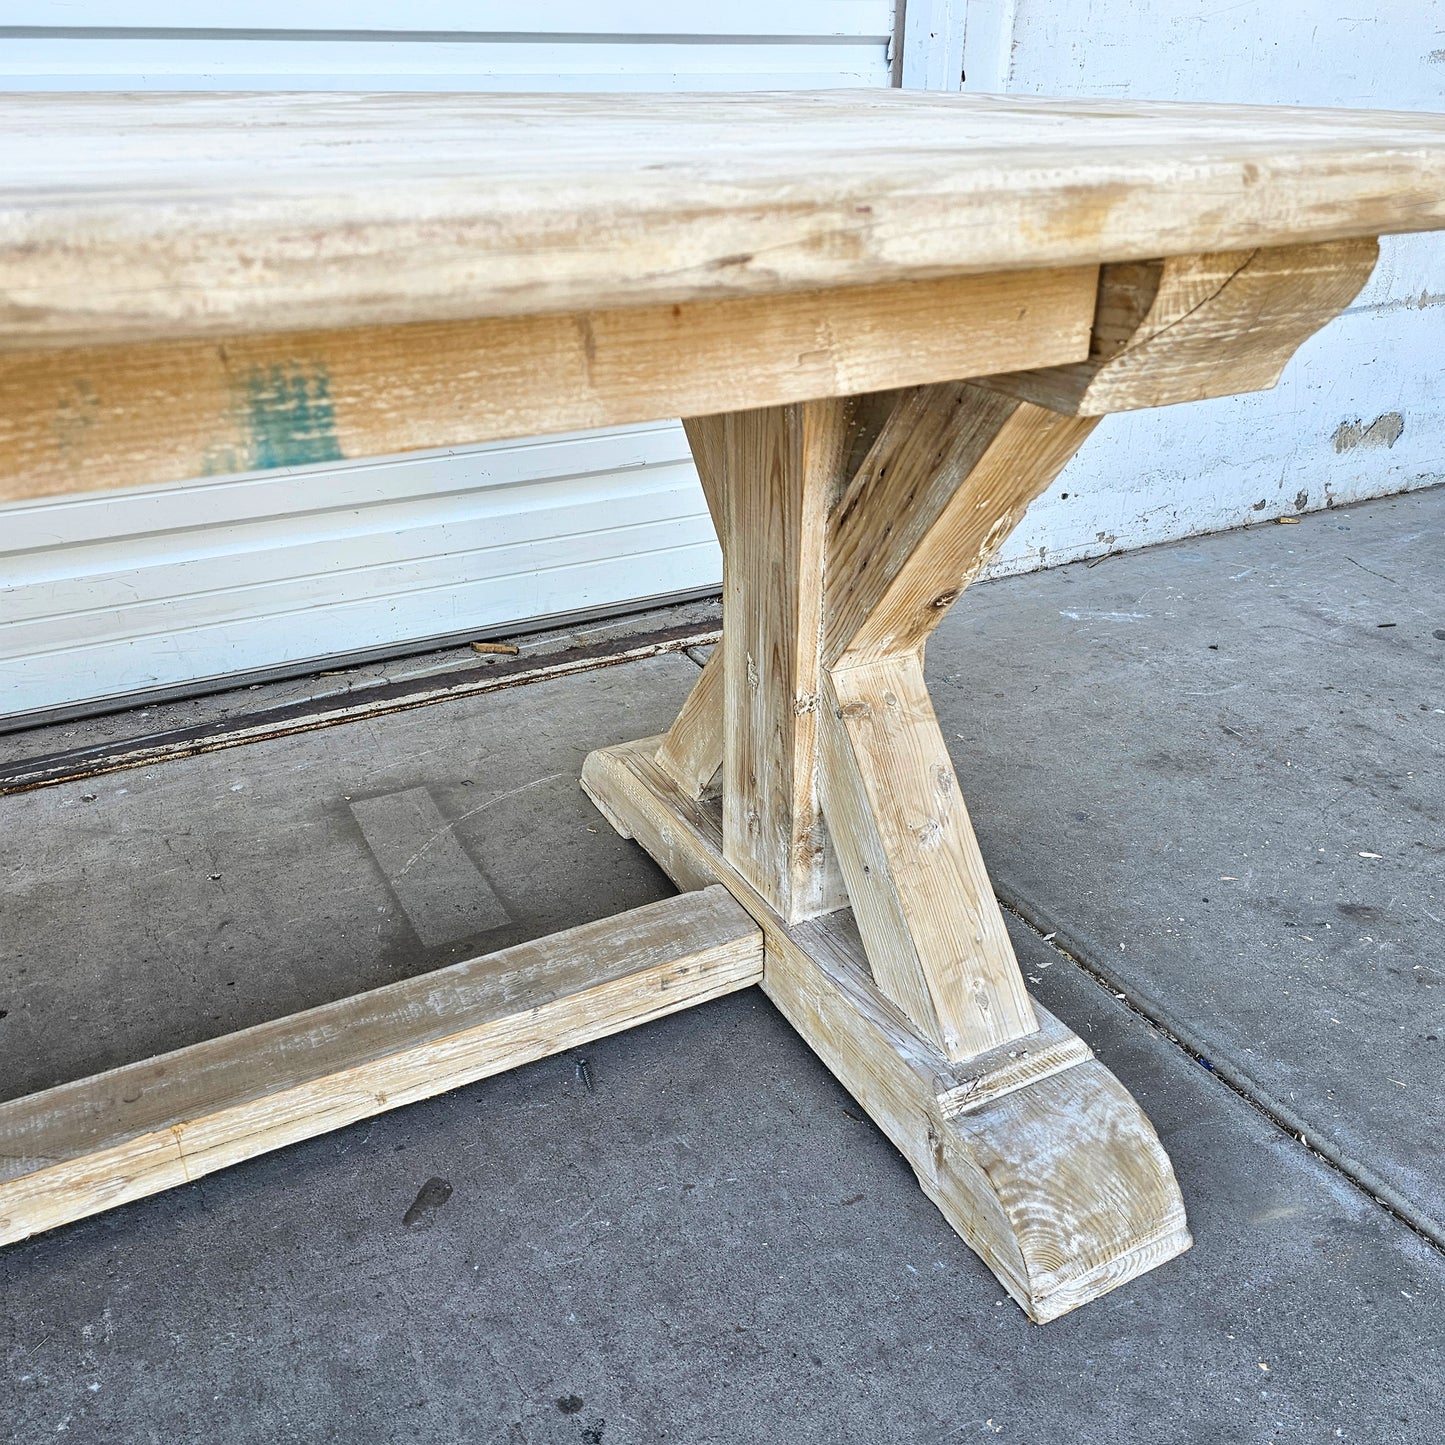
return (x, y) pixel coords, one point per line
(949, 473)
(691, 751)
(949, 476)
(1086, 1195)
(86, 1146)
(705, 441)
(1034, 1152)
(920, 892)
(119, 416)
(780, 470)
(134, 216)
(1196, 326)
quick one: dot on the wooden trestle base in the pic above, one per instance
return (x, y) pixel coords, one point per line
(99, 1142)
(849, 526)
(852, 886)
(1033, 1151)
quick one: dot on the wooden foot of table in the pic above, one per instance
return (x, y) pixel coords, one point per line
(1033, 1150)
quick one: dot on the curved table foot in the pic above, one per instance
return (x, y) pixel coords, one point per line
(1033, 1151)
(1062, 1188)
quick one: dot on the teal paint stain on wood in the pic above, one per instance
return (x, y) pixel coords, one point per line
(75, 414)
(287, 415)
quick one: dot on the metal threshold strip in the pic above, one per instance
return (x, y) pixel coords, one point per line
(309, 714)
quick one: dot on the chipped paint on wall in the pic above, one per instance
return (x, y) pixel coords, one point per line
(1384, 431)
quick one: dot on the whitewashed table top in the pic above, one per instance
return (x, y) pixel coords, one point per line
(132, 216)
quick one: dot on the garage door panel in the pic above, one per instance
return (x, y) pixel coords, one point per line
(486, 21)
(273, 548)
(243, 63)
(205, 654)
(235, 583)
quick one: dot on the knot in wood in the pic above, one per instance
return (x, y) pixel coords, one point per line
(935, 1146)
(805, 703)
(945, 600)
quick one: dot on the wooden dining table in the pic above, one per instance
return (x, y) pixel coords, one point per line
(888, 320)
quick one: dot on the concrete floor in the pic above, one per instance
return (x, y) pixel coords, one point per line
(710, 1244)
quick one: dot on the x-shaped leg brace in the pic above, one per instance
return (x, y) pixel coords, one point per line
(849, 526)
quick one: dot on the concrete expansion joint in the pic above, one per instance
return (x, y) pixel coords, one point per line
(1354, 1173)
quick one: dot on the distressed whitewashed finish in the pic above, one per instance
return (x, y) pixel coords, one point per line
(89, 1145)
(303, 211)
(1187, 328)
(852, 525)
(1033, 1151)
(849, 522)
(85, 417)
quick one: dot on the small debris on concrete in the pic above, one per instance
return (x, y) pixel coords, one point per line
(1286, 521)
(501, 649)
(584, 1075)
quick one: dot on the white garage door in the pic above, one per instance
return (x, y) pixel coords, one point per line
(153, 591)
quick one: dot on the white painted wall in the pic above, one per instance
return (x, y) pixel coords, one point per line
(1360, 411)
